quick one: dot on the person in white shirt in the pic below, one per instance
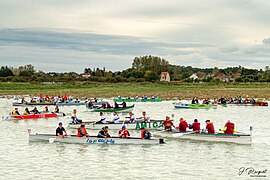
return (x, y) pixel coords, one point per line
(131, 118)
(116, 118)
(145, 117)
(102, 119)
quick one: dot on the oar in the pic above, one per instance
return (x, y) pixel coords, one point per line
(181, 134)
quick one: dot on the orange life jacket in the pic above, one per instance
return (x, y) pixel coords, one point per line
(81, 132)
(124, 133)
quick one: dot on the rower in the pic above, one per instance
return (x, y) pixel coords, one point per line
(108, 105)
(26, 111)
(145, 134)
(60, 130)
(35, 111)
(103, 105)
(81, 131)
(144, 117)
(104, 132)
(102, 119)
(115, 118)
(74, 118)
(228, 128)
(15, 112)
(182, 125)
(210, 127)
(195, 126)
(46, 110)
(168, 124)
(123, 132)
(56, 110)
(124, 104)
(116, 106)
(131, 117)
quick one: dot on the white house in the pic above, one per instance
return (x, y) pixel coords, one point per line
(165, 76)
(194, 76)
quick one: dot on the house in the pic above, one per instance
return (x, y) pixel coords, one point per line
(85, 75)
(165, 76)
(75, 75)
(222, 77)
(194, 76)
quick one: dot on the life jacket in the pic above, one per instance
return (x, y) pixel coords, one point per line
(25, 112)
(210, 128)
(15, 112)
(46, 110)
(56, 110)
(167, 124)
(196, 126)
(81, 132)
(145, 134)
(230, 128)
(124, 133)
(183, 126)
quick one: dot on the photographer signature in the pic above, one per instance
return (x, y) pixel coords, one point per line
(252, 172)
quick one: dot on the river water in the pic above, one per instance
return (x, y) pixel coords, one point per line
(176, 159)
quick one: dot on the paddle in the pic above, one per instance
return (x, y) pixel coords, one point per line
(181, 134)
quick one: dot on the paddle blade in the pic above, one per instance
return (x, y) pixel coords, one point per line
(51, 140)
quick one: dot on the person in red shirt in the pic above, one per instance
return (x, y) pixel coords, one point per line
(145, 134)
(183, 125)
(228, 128)
(196, 126)
(210, 127)
(168, 124)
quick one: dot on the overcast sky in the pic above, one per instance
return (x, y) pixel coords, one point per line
(69, 35)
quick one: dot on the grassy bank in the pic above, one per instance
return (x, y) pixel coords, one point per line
(164, 90)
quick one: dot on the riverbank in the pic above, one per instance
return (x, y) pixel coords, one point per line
(164, 90)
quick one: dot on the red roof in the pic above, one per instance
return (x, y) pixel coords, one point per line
(164, 73)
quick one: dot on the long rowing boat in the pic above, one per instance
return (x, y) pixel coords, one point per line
(249, 104)
(138, 100)
(153, 124)
(239, 138)
(71, 103)
(194, 106)
(120, 109)
(92, 140)
(34, 116)
(33, 104)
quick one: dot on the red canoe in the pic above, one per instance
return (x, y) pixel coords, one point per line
(34, 116)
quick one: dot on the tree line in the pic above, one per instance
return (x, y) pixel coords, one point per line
(144, 68)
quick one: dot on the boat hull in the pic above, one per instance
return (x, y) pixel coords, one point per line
(126, 109)
(117, 126)
(193, 106)
(71, 104)
(32, 104)
(32, 116)
(139, 100)
(92, 140)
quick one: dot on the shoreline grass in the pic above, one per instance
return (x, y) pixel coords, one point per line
(163, 90)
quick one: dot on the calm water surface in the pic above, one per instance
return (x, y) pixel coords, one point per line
(176, 159)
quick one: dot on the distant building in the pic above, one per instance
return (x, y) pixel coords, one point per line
(85, 75)
(75, 75)
(194, 76)
(165, 76)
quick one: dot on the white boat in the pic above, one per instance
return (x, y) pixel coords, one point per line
(239, 138)
(92, 140)
(153, 124)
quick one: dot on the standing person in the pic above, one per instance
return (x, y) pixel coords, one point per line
(123, 132)
(145, 117)
(61, 130)
(195, 126)
(15, 112)
(26, 111)
(81, 131)
(168, 124)
(104, 132)
(183, 125)
(145, 134)
(74, 118)
(102, 119)
(210, 127)
(116, 118)
(228, 128)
